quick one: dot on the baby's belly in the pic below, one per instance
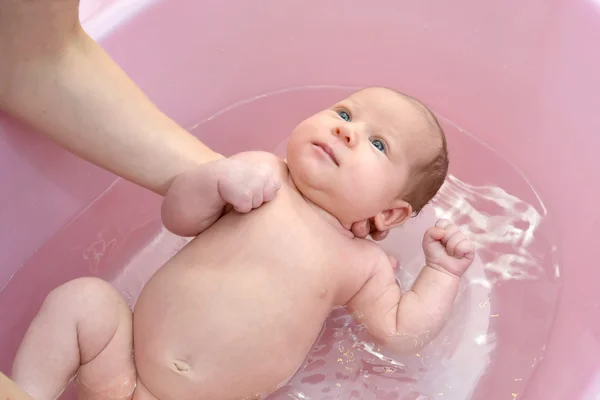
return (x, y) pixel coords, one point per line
(230, 331)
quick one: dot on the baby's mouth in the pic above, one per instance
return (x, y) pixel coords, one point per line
(327, 150)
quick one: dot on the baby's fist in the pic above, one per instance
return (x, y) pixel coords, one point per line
(247, 185)
(447, 248)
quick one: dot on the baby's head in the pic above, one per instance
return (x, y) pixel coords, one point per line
(378, 154)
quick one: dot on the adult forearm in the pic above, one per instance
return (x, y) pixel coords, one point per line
(84, 102)
(63, 84)
(10, 391)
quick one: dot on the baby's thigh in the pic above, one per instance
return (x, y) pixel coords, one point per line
(104, 331)
(83, 328)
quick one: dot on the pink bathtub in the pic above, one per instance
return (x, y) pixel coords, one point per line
(514, 85)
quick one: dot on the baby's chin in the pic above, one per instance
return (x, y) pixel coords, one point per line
(320, 200)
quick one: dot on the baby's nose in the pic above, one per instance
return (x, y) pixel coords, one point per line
(346, 134)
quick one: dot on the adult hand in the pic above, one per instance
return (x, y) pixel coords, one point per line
(362, 229)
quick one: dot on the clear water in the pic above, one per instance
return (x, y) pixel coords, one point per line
(505, 308)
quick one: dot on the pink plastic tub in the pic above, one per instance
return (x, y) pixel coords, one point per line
(515, 84)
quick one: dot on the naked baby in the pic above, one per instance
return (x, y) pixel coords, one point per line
(234, 314)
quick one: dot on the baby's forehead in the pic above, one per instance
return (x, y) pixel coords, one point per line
(401, 116)
(396, 113)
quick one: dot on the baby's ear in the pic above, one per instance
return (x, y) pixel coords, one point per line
(393, 217)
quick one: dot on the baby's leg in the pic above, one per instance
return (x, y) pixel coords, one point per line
(84, 327)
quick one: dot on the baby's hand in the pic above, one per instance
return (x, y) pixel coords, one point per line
(246, 185)
(446, 248)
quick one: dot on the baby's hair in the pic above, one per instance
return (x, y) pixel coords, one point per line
(427, 178)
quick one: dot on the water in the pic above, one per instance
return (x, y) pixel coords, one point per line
(503, 314)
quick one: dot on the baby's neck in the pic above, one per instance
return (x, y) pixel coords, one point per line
(333, 221)
(326, 215)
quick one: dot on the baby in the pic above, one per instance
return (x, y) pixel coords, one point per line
(234, 314)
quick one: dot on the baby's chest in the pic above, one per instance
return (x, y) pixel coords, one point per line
(290, 225)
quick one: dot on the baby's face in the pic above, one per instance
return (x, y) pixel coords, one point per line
(354, 159)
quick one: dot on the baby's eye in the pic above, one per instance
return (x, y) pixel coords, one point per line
(379, 144)
(345, 115)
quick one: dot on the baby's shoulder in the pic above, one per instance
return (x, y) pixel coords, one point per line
(367, 254)
(367, 246)
(360, 261)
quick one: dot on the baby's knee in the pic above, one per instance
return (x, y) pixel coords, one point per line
(97, 310)
(77, 287)
(86, 293)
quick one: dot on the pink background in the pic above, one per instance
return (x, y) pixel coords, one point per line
(519, 75)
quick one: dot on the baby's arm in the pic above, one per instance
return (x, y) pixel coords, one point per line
(406, 321)
(196, 199)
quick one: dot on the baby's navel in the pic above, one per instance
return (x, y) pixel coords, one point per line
(323, 293)
(181, 366)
